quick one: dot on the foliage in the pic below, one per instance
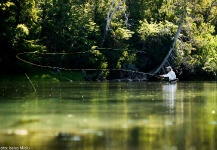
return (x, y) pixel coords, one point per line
(157, 39)
(18, 18)
(204, 54)
(67, 26)
(74, 26)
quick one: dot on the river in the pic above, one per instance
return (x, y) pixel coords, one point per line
(108, 116)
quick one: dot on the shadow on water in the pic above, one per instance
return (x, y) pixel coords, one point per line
(113, 116)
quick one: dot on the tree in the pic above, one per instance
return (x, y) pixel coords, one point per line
(18, 18)
(68, 26)
(157, 39)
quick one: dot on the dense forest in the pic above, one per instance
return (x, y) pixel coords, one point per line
(109, 35)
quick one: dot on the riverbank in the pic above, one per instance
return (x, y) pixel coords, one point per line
(62, 76)
(53, 76)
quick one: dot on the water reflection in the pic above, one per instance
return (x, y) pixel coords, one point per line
(169, 94)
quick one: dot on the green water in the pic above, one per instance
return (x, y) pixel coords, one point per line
(108, 116)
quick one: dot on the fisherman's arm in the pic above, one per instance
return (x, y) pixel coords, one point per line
(164, 75)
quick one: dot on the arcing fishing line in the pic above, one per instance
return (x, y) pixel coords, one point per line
(18, 56)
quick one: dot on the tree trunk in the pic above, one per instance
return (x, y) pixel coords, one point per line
(110, 14)
(169, 55)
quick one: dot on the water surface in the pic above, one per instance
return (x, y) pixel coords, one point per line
(109, 115)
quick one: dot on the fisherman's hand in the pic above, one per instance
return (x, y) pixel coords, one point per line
(160, 76)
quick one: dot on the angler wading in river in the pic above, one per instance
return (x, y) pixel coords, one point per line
(171, 75)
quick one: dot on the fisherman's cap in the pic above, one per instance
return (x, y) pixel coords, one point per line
(169, 67)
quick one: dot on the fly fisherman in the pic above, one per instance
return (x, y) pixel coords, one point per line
(171, 74)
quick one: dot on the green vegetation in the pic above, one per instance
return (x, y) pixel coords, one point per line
(69, 27)
(48, 76)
